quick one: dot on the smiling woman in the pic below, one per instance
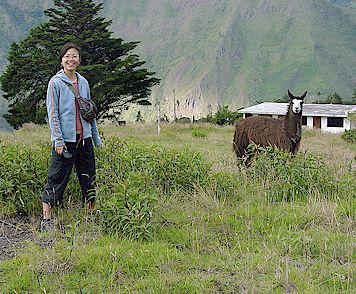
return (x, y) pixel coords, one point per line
(71, 135)
(69, 57)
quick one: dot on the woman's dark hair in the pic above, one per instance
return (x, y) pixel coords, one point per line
(66, 47)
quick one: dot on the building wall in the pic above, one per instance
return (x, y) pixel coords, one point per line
(347, 124)
(310, 122)
(324, 126)
(352, 125)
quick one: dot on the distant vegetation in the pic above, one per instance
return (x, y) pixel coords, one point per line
(334, 98)
(223, 116)
(337, 99)
(350, 136)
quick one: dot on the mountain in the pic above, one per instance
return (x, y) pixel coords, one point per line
(4, 126)
(231, 52)
(348, 4)
(17, 17)
(239, 52)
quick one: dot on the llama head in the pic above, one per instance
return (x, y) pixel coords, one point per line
(296, 102)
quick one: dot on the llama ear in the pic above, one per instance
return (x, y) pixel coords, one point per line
(303, 96)
(290, 95)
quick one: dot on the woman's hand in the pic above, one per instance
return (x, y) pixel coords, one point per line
(59, 150)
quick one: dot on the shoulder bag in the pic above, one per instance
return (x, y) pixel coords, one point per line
(87, 108)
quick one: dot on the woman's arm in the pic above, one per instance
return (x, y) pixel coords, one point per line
(95, 134)
(52, 103)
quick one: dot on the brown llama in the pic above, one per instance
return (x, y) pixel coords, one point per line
(266, 131)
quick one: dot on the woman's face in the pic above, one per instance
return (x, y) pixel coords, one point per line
(71, 60)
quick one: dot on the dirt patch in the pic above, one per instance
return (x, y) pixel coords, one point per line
(13, 232)
(17, 231)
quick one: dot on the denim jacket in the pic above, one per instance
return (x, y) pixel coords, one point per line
(61, 110)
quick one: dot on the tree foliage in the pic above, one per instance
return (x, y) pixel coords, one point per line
(331, 99)
(224, 116)
(284, 99)
(353, 98)
(115, 74)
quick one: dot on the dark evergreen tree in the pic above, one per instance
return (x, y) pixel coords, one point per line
(115, 74)
(334, 99)
(331, 99)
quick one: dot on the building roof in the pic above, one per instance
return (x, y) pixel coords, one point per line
(331, 110)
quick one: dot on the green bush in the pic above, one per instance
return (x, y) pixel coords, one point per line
(224, 116)
(224, 184)
(289, 177)
(128, 210)
(23, 172)
(131, 175)
(199, 133)
(349, 136)
(169, 168)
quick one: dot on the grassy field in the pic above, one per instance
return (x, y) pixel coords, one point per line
(282, 225)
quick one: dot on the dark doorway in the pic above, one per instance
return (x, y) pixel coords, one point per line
(317, 122)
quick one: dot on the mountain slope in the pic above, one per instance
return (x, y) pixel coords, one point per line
(17, 17)
(239, 52)
(4, 126)
(236, 52)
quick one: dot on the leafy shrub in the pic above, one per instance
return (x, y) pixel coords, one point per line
(224, 184)
(23, 171)
(131, 174)
(199, 133)
(349, 136)
(128, 210)
(287, 177)
(224, 116)
(169, 168)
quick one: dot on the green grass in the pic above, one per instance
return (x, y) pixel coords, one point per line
(224, 234)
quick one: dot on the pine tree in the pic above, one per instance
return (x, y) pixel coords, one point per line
(334, 99)
(331, 99)
(115, 74)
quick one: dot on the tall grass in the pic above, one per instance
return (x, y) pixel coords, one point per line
(176, 214)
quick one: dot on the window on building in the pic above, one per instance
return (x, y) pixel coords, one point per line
(304, 121)
(337, 122)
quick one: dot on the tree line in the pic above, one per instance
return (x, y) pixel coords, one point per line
(334, 98)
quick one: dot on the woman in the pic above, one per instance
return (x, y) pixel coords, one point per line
(71, 135)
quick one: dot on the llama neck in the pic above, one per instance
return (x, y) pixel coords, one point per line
(293, 126)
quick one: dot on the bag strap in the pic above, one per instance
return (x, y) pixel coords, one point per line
(71, 87)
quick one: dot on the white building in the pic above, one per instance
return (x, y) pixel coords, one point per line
(327, 117)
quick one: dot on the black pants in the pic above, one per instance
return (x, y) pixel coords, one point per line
(61, 168)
